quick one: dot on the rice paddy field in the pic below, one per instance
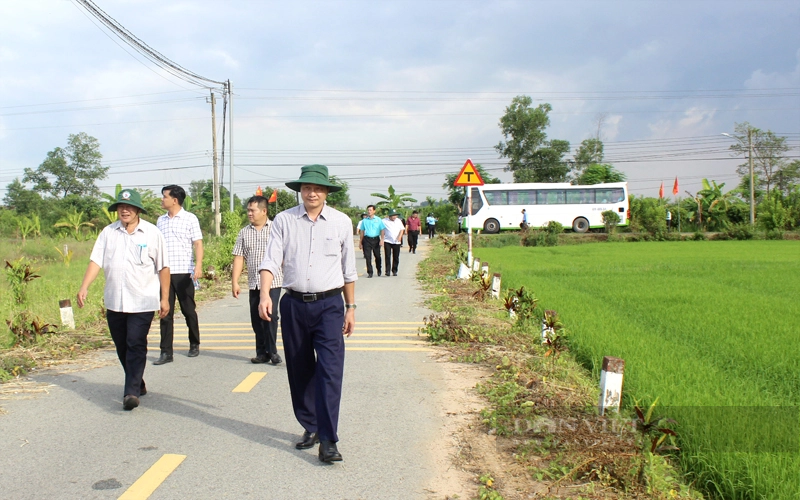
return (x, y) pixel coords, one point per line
(711, 329)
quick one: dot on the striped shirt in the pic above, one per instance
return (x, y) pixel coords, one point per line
(131, 263)
(251, 244)
(315, 256)
(180, 232)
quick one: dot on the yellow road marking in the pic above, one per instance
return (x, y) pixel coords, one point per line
(152, 479)
(347, 341)
(248, 348)
(249, 382)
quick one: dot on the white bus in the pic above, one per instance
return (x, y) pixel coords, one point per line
(497, 207)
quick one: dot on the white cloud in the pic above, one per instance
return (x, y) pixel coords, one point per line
(762, 80)
(226, 58)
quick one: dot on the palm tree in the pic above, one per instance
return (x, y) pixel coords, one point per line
(393, 201)
(74, 221)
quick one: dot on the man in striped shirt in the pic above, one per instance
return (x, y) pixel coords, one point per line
(249, 250)
(181, 231)
(312, 244)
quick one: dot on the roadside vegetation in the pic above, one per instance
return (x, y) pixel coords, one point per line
(541, 400)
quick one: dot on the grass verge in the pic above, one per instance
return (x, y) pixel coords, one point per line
(541, 406)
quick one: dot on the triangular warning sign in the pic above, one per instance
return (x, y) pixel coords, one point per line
(468, 176)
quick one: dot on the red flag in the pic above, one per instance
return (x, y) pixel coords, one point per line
(273, 197)
(661, 190)
(675, 186)
(259, 192)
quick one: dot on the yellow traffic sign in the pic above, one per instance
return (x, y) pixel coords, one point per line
(468, 176)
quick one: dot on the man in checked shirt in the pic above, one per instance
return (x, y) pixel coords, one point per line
(312, 244)
(181, 231)
(249, 249)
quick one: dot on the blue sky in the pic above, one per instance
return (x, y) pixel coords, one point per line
(396, 92)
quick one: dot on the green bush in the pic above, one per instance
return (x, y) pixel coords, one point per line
(772, 214)
(775, 234)
(740, 232)
(610, 220)
(648, 215)
(546, 236)
(699, 236)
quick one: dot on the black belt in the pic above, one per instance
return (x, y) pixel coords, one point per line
(371, 237)
(312, 297)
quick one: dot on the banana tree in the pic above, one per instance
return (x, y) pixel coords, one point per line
(712, 204)
(74, 222)
(393, 201)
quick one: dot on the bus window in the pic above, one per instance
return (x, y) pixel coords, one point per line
(580, 196)
(617, 195)
(496, 197)
(604, 195)
(522, 197)
(477, 203)
(550, 197)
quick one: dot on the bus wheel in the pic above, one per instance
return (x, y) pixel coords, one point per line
(580, 225)
(491, 226)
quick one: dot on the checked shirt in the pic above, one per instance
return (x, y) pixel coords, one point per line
(251, 244)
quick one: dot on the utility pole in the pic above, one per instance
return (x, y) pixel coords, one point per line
(230, 134)
(752, 185)
(216, 174)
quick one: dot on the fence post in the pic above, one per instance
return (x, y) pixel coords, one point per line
(611, 383)
(67, 318)
(463, 271)
(496, 286)
(476, 265)
(485, 270)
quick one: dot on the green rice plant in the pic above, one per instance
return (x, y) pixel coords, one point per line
(709, 328)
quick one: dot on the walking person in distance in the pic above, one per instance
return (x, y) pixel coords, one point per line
(393, 236)
(371, 239)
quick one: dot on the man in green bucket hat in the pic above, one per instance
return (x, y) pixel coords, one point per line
(312, 244)
(133, 256)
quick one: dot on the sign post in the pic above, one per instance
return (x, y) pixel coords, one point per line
(469, 177)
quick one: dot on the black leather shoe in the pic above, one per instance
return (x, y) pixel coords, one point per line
(275, 359)
(259, 359)
(369, 275)
(379, 272)
(130, 402)
(194, 351)
(164, 358)
(308, 440)
(328, 452)
(394, 274)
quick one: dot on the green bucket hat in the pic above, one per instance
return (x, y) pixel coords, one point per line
(128, 197)
(393, 212)
(313, 174)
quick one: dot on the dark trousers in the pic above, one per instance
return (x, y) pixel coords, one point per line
(129, 332)
(372, 247)
(266, 331)
(310, 328)
(431, 230)
(182, 287)
(413, 237)
(391, 255)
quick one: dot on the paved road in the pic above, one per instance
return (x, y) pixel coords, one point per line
(77, 442)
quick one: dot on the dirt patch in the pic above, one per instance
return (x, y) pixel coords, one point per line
(464, 450)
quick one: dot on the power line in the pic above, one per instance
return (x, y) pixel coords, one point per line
(151, 54)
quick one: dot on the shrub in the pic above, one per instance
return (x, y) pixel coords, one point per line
(610, 220)
(740, 232)
(699, 236)
(647, 214)
(772, 214)
(546, 236)
(775, 234)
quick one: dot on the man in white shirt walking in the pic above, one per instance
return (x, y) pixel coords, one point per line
(182, 234)
(391, 242)
(133, 255)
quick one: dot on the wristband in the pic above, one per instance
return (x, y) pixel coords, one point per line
(350, 306)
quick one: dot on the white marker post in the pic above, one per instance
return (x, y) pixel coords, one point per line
(485, 270)
(611, 384)
(496, 286)
(67, 318)
(476, 265)
(463, 271)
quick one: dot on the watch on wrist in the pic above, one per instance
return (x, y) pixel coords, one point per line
(350, 306)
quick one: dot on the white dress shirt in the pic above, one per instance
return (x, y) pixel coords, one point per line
(131, 263)
(180, 232)
(393, 228)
